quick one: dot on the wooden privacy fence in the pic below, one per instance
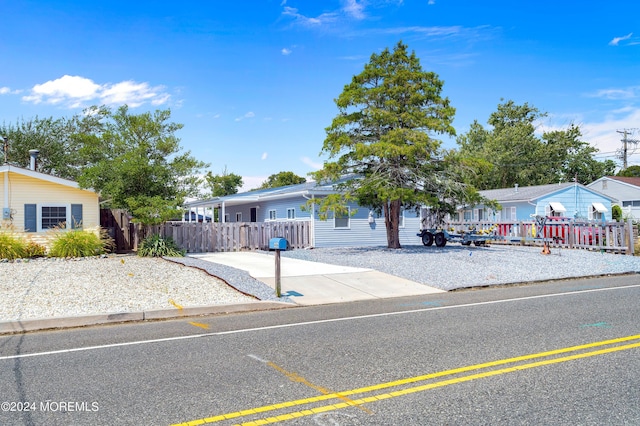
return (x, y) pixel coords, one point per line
(201, 237)
(618, 237)
(117, 223)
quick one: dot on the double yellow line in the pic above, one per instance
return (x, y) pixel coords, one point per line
(344, 402)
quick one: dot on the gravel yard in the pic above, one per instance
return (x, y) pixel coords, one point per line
(455, 266)
(51, 288)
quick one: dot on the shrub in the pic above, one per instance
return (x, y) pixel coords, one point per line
(11, 246)
(156, 246)
(616, 212)
(34, 249)
(76, 243)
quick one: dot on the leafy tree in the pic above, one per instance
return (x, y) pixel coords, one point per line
(382, 138)
(55, 139)
(135, 162)
(631, 171)
(282, 179)
(510, 152)
(223, 184)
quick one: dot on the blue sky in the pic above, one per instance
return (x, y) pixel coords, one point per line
(254, 82)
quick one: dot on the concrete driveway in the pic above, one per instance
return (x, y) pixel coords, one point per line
(314, 283)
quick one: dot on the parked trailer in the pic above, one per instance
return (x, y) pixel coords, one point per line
(480, 238)
(441, 236)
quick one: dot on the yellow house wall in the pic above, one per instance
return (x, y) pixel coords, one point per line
(28, 190)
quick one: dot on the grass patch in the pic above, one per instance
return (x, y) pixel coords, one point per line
(156, 246)
(11, 246)
(78, 243)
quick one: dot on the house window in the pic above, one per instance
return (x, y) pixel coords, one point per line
(479, 215)
(226, 217)
(239, 217)
(341, 219)
(53, 217)
(41, 217)
(272, 215)
(468, 215)
(291, 214)
(556, 209)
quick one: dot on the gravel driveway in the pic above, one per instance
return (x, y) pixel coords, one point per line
(453, 267)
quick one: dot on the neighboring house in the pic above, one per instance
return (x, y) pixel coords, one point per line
(625, 190)
(521, 203)
(34, 202)
(361, 227)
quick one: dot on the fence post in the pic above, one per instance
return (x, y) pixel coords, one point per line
(629, 238)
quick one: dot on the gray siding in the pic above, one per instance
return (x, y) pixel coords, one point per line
(622, 192)
(362, 233)
(280, 206)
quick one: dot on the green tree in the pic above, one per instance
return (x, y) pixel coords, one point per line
(382, 138)
(223, 184)
(511, 153)
(631, 171)
(56, 139)
(282, 179)
(135, 161)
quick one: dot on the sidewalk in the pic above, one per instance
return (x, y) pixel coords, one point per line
(314, 283)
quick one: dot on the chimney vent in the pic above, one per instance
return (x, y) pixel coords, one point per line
(516, 187)
(33, 154)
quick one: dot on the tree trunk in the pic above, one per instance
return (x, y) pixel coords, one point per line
(392, 222)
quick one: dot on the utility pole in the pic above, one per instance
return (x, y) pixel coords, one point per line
(626, 151)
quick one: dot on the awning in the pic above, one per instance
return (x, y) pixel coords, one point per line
(557, 207)
(599, 207)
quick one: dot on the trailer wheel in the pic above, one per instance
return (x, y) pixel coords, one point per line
(466, 243)
(441, 240)
(479, 243)
(427, 239)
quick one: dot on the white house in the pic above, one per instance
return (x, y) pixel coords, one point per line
(625, 191)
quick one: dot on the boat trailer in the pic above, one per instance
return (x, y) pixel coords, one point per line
(441, 236)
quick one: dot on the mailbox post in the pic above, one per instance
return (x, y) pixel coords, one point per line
(278, 244)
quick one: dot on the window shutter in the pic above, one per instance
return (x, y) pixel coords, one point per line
(76, 216)
(30, 218)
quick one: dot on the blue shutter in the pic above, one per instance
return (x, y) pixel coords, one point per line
(30, 218)
(76, 216)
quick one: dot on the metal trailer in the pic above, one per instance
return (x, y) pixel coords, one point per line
(480, 238)
(441, 236)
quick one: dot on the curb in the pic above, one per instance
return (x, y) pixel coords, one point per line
(22, 326)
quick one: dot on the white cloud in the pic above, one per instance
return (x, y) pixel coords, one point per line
(617, 40)
(285, 51)
(311, 163)
(75, 91)
(264, 156)
(354, 9)
(320, 20)
(618, 94)
(250, 114)
(431, 2)
(7, 91)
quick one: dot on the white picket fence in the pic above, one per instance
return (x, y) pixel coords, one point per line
(618, 237)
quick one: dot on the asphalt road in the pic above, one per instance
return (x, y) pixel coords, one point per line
(565, 352)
